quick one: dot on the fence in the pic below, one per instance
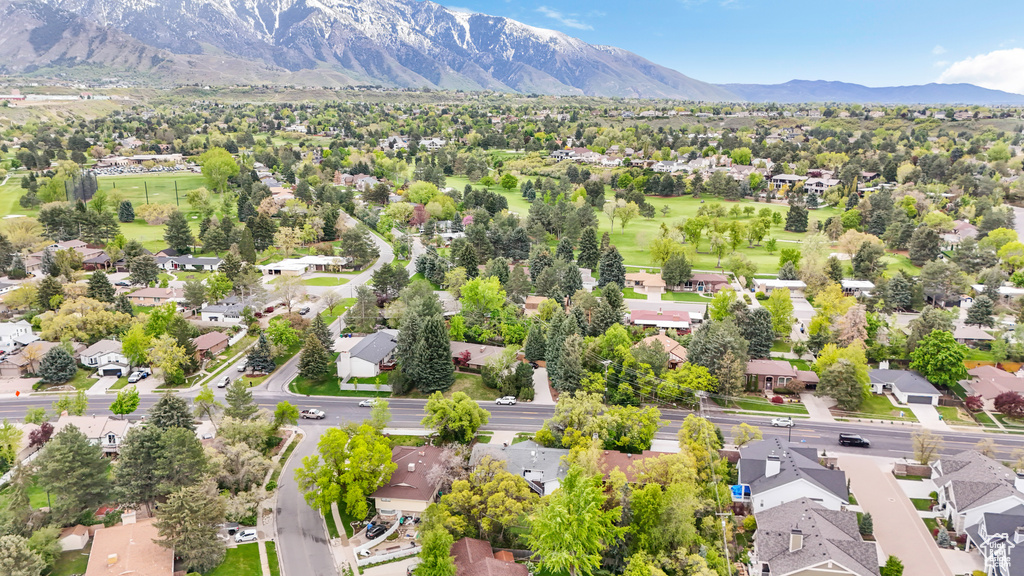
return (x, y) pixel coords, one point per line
(381, 558)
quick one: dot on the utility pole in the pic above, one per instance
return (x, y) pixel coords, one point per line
(176, 201)
(146, 186)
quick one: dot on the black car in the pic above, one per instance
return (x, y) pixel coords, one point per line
(854, 440)
(375, 531)
(304, 310)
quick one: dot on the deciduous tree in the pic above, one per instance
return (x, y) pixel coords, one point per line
(940, 358)
(456, 419)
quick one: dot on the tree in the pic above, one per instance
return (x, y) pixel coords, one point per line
(143, 270)
(780, 304)
(927, 445)
(677, 270)
(866, 526)
(434, 367)
(18, 559)
(314, 362)
(589, 255)
(218, 166)
(74, 404)
(241, 467)
(57, 366)
(362, 317)
(380, 414)
(536, 343)
(626, 213)
(893, 567)
(796, 218)
(509, 182)
(169, 412)
(100, 288)
(570, 532)
(123, 305)
(289, 289)
(322, 332)
(940, 359)
(195, 293)
(924, 245)
(612, 271)
(1010, 403)
(239, 400)
(389, 279)
(435, 555)
(981, 311)
(217, 286)
(49, 293)
(758, 328)
(75, 473)
(711, 342)
(177, 233)
(454, 420)
(281, 333)
(127, 401)
(285, 413)
(852, 326)
(181, 460)
(351, 463)
(125, 211)
(839, 381)
(246, 246)
(743, 434)
(188, 523)
(259, 358)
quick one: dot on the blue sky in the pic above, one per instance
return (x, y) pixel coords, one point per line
(871, 42)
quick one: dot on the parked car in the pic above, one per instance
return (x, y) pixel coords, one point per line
(412, 567)
(122, 283)
(223, 383)
(245, 536)
(231, 527)
(368, 403)
(854, 440)
(506, 401)
(313, 413)
(782, 422)
(374, 531)
(534, 365)
(241, 367)
(304, 310)
(137, 375)
(258, 314)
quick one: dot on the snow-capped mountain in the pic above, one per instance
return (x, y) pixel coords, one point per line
(406, 43)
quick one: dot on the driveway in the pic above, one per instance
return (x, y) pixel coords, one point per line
(898, 528)
(541, 388)
(102, 385)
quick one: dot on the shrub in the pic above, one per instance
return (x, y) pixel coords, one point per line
(973, 403)
(777, 399)
(155, 214)
(750, 523)
(526, 393)
(761, 296)
(271, 486)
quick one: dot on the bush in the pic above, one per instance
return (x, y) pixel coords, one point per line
(272, 485)
(973, 403)
(746, 298)
(750, 523)
(777, 399)
(526, 393)
(761, 296)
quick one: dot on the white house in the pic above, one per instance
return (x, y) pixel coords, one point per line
(188, 262)
(299, 266)
(999, 537)
(857, 287)
(368, 356)
(106, 358)
(225, 312)
(106, 432)
(14, 334)
(766, 285)
(907, 386)
(971, 484)
(774, 472)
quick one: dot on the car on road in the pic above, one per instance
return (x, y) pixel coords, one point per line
(534, 365)
(854, 440)
(506, 401)
(223, 383)
(374, 531)
(241, 367)
(313, 413)
(245, 536)
(304, 310)
(782, 422)
(122, 283)
(137, 375)
(368, 403)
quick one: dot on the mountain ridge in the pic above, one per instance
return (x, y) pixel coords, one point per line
(799, 91)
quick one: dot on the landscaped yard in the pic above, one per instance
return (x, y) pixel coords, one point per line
(879, 406)
(83, 380)
(782, 346)
(326, 281)
(471, 384)
(243, 560)
(984, 420)
(405, 440)
(72, 562)
(275, 564)
(923, 504)
(954, 415)
(761, 405)
(684, 297)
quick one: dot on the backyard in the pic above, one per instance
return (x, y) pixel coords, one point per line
(243, 560)
(72, 562)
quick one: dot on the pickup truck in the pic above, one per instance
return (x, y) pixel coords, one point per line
(313, 413)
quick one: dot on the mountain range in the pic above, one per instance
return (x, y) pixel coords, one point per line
(396, 43)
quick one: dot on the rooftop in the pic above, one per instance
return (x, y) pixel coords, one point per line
(102, 347)
(975, 479)
(406, 483)
(376, 346)
(129, 549)
(905, 380)
(209, 340)
(796, 462)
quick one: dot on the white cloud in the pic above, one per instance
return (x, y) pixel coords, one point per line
(998, 70)
(941, 63)
(938, 50)
(564, 19)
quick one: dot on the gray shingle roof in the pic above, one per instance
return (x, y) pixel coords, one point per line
(827, 535)
(905, 380)
(1003, 523)
(102, 347)
(524, 456)
(795, 463)
(974, 479)
(375, 347)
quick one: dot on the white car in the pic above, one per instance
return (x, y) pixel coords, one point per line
(506, 401)
(245, 536)
(368, 403)
(782, 422)
(224, 382)
(241, 367)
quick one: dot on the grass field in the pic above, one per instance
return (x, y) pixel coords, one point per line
(72, 562)
(761, 405)
(879, 406)
(924, 504)
(326, 281)
(471, 384)
(275, 564)
(953, 415)
(243, 560)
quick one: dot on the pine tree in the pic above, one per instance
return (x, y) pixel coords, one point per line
(589, 255)
(564, 250)
(177, 233)
(467, 259)
(239, 401)
(612, 269)
(676, 271)
(539, 262)
(924, 245)
(7, 253)
(57, 366)
(100, 288)
(125, 211)
(560, 327)
(74, 471)
(757, 330)
(323, 333)
(796, 219)
(314, 362)
(48, 289)
(231, 265)
(246, 247)
(17, 270)
(980, 312)
(144, 270)
(124, 305)
(536, 342)
(866, 525)
(434, 357)
(171, 412)
(259, 359)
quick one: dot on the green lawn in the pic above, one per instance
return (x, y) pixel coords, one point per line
(762, 405)
(326, 281)
(632, 295)
(984, 419)
(327, 386)
(800, 364)
(931, 524)
(782, 346)
(403, 440)
(924, 504)
(954, 415)
(243, 560)
(332, 526)
(522, 437)
(121, 383)
(879, 406)
(36, 495)
(471, 384)
(72, 562)
(684, 297)
(83, 380)
(275, 564)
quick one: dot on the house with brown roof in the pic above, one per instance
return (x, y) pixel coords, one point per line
(408, 490)
(990, 381)
(532, 305)
(157, 296)
(475, 356)
(26, 361)
(210, 344)
(476, 558)
(702, 283)
(676, 319)
(612, 460)
(770, 374)
(129, 549)
(645, 283)
(676, 351)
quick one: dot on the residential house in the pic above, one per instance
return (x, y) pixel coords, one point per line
(16, 334)
(908, 386)
(770, 374)
(475, 356)
(74, 538)
(394, 143)
(676, 352)
(820, 185)
(857, 288)
(432, 144)
(210, 344)
(612, 460)
(106, 358)
(543, 468)
(645, 283)
(804, 538)
(130, 548)
(999, 538)
(106, 432)
(532, 305)
(589, 282)
(1005, 292)
(989, 382)
(227, 311)
(157, 296)
(26, 360)
(369, 356)
(971, 484)
(474, 557)
(781, 181)
(300, 266)
(408, 490)
(766, 285)
(188, 262)
(960, 231)
(972, 336)
(774, 472)
(677, 320)
(702, 283)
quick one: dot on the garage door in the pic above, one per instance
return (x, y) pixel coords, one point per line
(911, 399)
(112, 372)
